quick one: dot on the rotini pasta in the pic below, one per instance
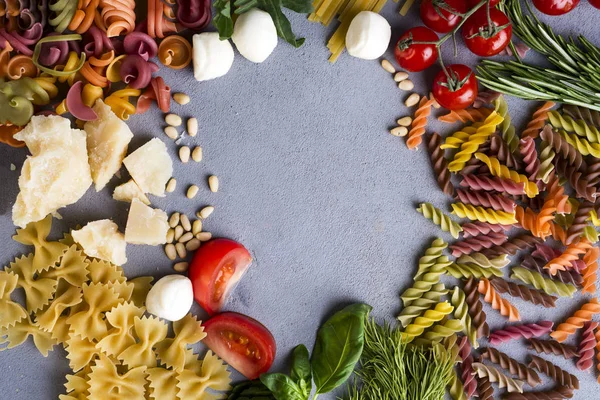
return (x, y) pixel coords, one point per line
(500, 149)
(590, 274)
(502, 171)
(425, 282)
(538, 120)
(530, 157)
(590, 117)
(541, 283)
(562, 148)
(485, 199)
(561, 377)
(513, 245)
(507, 129)
(597, 336)
(485, 389)
(575, 178)
(439, 218)
(531, 295)
(581, 128)
(576, 321)
(498, 303)
(439, 164)
(558, 393)
(470, 147)
(466, 115)
(430, 317)
(461, 313)
(553, 347)
(439, 332)
(467, 377)
(537, 264)
(512, 366)
(579, 223)
(483, 214)
(586, 347)
(547, 154)
(419, 122)
(583, 146)
(495, 376)
(418, 306)
(565, 260)
(429, 259)
(481, 182)
(478, 317)
(455, 140)
(472, 229)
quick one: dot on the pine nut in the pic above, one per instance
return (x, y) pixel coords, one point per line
(197, 227)
(186, 237)
(204, 236)
(181, 251)
(197, 154)
(171, 185)
(173, 119)
(405, 121)
(412, 100)
(435, 103)
(178, 232)
(181, 98)
(400, 76)
(174, 220)
(205, 212)
(193, 245)
(406, 85)
(388, 66)
(185, 223)
(184, 154)
(170, 235)
(170, 251)
(399, 131)
(192, 127)
(181, 266)
(213, 183)
(171, 132)
(192, 191)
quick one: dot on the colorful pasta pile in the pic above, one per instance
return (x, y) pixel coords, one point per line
(90, 308)
(94, 48)
(529, 202)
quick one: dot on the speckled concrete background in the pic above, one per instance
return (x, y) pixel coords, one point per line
(311, 183)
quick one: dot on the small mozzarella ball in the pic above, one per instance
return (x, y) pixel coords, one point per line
(213, 57)
(368, 36)
(171, 297)
(255, 35)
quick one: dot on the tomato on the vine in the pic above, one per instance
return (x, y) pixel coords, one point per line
(595, 3)
(441, 15)
(555, 7)
(459, 91)
(416, 57)
(484, 39)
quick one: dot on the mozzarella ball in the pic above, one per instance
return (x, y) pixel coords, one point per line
(255, 35)
(368, 36)
(213, 57)
(170, 298)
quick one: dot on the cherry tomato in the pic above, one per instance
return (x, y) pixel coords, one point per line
(555, 7)
(216, 268)
(473, 3)
(483, 40)
(242, 342)
(595, 3)
(460, 92)
(436, 16)
(416, 57)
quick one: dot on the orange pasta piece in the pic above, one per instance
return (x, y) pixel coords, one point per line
(6, 135)
(576, 321)
(175, 52)
(537, 224)
(466, 115)
(498, 303)
(537, 121)
(590, 273)
(558, 233)
(563, 262)
(597, 336)
(557, 193)
(84, 16)
(544, 219)
(117, 17)
(417, 129)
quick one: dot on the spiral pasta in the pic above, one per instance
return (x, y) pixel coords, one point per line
(465, 116)
(485, 389)
(547, 154)
(429, 259)
(439, 332)
(439, 218)
(419, 122)
(576, 229)
(531, 295)
(83, 18)
(530, 157)
(472, 229)
(495, 376)
(553, 347)
(175, 52)
(574, 176)
(477, 182)
(418, 326)
(507, 129)
(478, 317)
(557, 393)
(536, 264)
(590, 117)
(117, 16)
(576, 321)
(497, 302)
(586, 347)
(461, 313)
(561, 377)
(466, 368)
(583, 146)
(514, 332)
(538, 281)
(439, 163)
(597, 336)
(477, 243)
(119, 102)
(564, 261)
(502, 171)
(459, 137)
(158, 24)
(418, 306)
(581, 128)
(590, 274)
(500, 149)
(511, 365)
(562, 148)
(426, 281)
(486, 199)
(538, 120)
(483, 214)
(513, 245)
(63, 11)
(470, 147)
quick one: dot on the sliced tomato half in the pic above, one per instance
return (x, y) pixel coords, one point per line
(215, 270)
(242, 342)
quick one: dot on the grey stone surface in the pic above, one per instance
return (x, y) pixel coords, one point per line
(311, 183)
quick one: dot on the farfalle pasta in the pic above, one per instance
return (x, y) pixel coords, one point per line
(45, 253)
(149, 331)
(66, 298)
(105, 382)
(10, 311)
(205, 377)
(38, 292)
(80, 351)
(15, 335)
(163, 383)
(87, 319)
(72, 268)
(119, 337)
(171, 351)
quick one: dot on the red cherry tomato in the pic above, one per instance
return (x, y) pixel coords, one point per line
(242, 342)
(595, 3)
(216, 268)
(416, 57)
(473, 3)
(555, 7)
(460, 92)
(437, 17)
(483, 40)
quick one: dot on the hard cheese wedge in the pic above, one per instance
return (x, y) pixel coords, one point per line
(102, 239)
(56, 174)
(146, 225)
(107, 141)
(150, 167)
(129, 191)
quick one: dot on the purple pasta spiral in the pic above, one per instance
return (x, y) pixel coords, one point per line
(558, 393)
(576, 179)
(485, 389)
(579, 223)
(499, 148)
(485, 97)
(537, 264)
(54, 53)
(141, 44)
(563, 149)
(477, 243)
(96, 43)
(477, 228)
(466, 367)
(135, 71)
(474, 165)
(530, 157)
(486, 199)
(545, 252)
(518, 331)
(21, 42)
(482, 182)
(512, 246)
(587, 347)
(194, 14)
(592, 174)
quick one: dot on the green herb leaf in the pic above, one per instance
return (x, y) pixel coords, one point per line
(283, 387)
(301, 372)
(222, 20)
(339, 344)
(250, 390)
(242, 6)
(299, 6)
(284, 28)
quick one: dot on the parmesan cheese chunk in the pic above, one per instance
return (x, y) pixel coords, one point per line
(102, 239)
(150, 167)
(129, 191)
(146, 225)
(56, 174)
(107, 141)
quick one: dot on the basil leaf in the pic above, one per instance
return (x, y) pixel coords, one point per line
(284, 28)
(250, 390)
(283, 387)
(222, 20)
(339, 344)
(299, 6)
(301, 372)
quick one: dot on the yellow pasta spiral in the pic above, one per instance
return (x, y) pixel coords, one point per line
(582, 145)
(455, 140)
(503, 171)
(476, 213)
(119, 102)
(567, 123)
(423, 322)
(468, 148)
